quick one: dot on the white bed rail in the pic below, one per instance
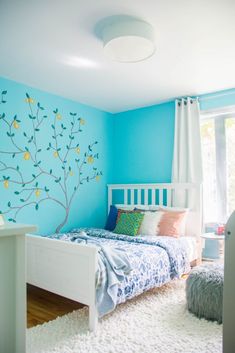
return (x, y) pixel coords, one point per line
(67, 269)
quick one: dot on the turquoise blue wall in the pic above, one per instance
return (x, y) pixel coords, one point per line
(144, 144)
(89, 205)
(135, 146)
(144, 139)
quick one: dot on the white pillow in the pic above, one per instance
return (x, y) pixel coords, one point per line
(150, 223)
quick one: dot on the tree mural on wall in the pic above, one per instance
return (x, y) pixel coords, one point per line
(63, 145)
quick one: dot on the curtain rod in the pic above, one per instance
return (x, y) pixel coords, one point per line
(208, 98)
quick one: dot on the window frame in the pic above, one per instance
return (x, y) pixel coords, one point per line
(219, 116)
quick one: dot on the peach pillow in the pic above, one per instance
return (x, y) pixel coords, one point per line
(170, 223)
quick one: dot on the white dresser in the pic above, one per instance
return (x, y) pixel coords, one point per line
(13, 287)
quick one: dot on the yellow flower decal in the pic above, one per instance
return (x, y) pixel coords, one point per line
(16, 125)
(37, 192)
(55, 154)
(71, 173)
(29, 100)
(82, 121)
(78, 150)
(97, 178)
(58, 116)
(6, 184)
(90, 160)
(26, 156)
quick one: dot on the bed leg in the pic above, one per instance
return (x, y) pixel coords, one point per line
(93, 318)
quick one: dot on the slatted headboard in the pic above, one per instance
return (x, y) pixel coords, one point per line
(187, 195)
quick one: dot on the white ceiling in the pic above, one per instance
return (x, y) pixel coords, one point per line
(52, 45)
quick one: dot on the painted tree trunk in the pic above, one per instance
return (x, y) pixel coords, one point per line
(62, 224)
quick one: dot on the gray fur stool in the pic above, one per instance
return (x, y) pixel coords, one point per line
(204, 291)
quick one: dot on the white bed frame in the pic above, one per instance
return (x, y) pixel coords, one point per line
(68, 269)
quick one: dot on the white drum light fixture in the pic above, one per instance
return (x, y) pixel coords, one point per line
(128, 39)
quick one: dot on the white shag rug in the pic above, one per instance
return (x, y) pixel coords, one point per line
(155, 322)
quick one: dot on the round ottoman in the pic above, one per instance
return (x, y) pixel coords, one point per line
(204, 291)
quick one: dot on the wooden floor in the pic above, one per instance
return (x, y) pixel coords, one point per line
(43, 306)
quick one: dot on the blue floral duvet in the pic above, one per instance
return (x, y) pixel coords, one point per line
(155, 260)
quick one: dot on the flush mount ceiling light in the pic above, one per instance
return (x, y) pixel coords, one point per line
(127, 39)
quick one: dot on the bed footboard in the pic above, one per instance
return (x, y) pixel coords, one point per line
(67, 269)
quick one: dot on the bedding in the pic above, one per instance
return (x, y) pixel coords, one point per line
(112, 218)
(114, 215)
(171, 223)
(121, 211)
(150, 223)
(179, 209)
(129, 223)
(190, 243)
(154, 260)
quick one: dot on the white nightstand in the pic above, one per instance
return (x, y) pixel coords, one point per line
(212, 245)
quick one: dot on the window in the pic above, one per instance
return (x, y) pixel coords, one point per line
(218, 156)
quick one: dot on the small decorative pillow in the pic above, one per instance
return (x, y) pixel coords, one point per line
(178, 209)
(120, 211)
(171, 223)
(129, 223)
(150, 223)
(112, 218)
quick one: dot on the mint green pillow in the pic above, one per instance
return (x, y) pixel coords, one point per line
(129, 223)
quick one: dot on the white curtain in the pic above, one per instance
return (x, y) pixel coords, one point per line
(187, 160)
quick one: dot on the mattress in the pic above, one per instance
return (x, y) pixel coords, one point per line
(190, 244)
